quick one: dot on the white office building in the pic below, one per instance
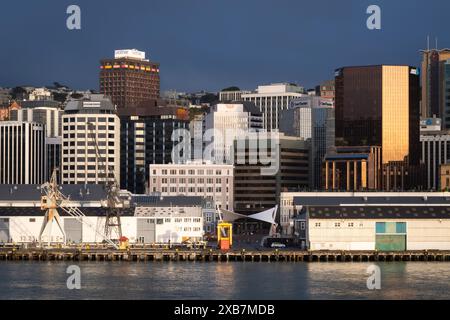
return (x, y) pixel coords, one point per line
(210, 181)
(223, 124)
(272, 100)
(22, 152)
(86, 125)
(50, 116)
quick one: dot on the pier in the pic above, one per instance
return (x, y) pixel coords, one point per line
(212, 255)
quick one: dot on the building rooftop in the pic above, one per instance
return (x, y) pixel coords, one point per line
(166, 201)
(384, 212)
(33, 192)
(367, 200)
(96, 102)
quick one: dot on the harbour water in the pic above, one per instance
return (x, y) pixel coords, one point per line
(175, 280)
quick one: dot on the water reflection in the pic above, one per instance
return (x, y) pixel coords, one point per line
(180, 280)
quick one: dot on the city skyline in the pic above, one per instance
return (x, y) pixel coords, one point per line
(237, 48)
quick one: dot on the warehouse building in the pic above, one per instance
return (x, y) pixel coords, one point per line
(147, 220)
(373, 221)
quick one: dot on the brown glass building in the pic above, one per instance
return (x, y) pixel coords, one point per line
(379, 106)
(129, 79)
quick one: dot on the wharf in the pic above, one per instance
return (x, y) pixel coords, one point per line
(211, 255)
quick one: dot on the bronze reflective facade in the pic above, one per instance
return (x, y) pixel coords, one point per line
(379, 106)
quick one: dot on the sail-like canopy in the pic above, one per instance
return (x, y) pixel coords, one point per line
(266, 216)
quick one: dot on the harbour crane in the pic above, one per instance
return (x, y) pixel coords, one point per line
(113, 226)
(54, 199)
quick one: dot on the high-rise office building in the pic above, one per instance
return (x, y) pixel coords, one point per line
(129, 78)
(312, 118)
(23, 154)
(256, 189)
(145, 139)
(433, 80)
(272, 100)
(379, 106)
(90, 127)
(229, 121)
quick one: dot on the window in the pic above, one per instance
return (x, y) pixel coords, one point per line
(317, 225)
(302, 225)
(350, 224)
(337, 224)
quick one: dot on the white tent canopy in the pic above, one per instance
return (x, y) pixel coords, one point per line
(266, 216)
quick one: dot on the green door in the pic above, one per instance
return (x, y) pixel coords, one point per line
(390, 242)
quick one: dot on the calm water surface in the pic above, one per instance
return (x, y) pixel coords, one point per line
(172, 280)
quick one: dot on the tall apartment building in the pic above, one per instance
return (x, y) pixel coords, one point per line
(87, 124)
(379, 106)
(433, 80)
(229, 121)
(145, 139)
(256, 190)
(129, 78)
(23, 153)
(272, 100)
(312, 118)
(210, 181)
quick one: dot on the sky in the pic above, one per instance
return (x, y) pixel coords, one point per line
(212, 44)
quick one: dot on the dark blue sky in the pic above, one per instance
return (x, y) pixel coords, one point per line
(212, 44)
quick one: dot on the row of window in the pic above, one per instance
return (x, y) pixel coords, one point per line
(190, 180)
(209, 172)
(182, 190)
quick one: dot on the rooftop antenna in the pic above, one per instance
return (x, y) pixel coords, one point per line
(436, 43)
(428, 43)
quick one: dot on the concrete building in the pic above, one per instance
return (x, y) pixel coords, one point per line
(434, 150)
(23, 153)
(373, 221)
(48, 116)
(224, 123)
(151, 220)
(312, 118)
(352, 169)
(232, 95)
(210, 181)
(384, 205)
(146, 138)
(86, 125)
(129, 78)
(258, 183)
(272, 100)
(40, 94)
